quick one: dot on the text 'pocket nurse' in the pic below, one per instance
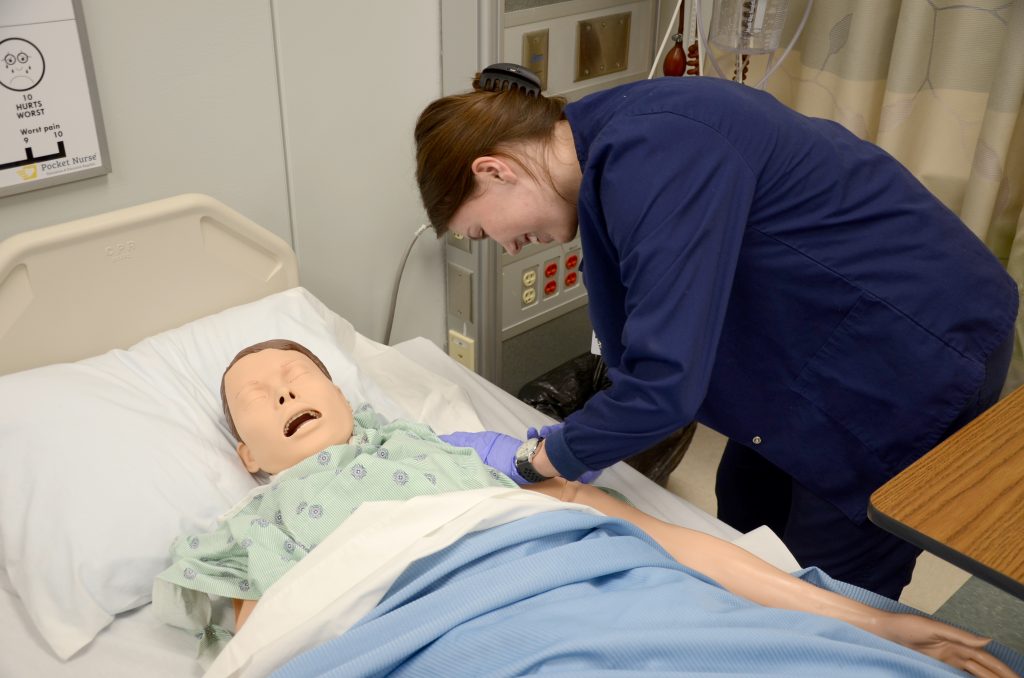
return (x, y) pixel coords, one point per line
(768, 274)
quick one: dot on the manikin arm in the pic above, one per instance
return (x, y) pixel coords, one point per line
(243, 608)
(745, 574)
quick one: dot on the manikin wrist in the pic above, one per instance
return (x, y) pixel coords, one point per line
(543, 464)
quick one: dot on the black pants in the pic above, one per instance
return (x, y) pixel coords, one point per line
(752, 492)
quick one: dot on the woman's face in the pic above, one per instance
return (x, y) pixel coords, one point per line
(512, 208)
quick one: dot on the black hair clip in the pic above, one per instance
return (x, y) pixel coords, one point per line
(505, 76)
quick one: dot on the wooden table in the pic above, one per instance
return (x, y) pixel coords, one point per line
(964, 500)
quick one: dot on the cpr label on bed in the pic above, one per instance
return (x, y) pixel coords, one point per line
(121, 250)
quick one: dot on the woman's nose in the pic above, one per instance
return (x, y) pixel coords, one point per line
(289, 396)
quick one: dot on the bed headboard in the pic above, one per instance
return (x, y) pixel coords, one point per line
(81, 288)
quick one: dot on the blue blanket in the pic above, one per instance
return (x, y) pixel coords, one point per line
(576, 594)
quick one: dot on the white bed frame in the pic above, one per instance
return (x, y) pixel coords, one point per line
(81, 288)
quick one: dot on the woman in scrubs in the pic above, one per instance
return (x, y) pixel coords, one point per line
(768, 274)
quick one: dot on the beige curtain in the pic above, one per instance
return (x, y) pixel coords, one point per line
(938, 84)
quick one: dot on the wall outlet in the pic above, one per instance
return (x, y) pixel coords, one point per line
(462, 349)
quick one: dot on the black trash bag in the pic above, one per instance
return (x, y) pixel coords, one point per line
(563, 390)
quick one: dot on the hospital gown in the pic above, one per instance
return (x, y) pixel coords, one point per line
(256, 543)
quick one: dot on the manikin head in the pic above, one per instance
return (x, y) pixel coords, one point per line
(498, 165)
(282, 406)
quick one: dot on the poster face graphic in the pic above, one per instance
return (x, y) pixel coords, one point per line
(23, 65)
(51, 130)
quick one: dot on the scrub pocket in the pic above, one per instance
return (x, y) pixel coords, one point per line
(888, 382)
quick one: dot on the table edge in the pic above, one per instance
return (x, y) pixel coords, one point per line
(947, 553)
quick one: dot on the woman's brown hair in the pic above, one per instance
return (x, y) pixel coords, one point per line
(280, 345)
(455, 130)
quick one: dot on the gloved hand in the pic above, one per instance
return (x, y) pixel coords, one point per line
(545, 431)
(497, 450)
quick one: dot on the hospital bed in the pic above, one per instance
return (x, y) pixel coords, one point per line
(177, 286)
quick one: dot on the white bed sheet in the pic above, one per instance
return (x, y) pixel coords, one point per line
(136, 643)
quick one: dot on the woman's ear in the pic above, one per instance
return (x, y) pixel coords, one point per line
(247, 459)
(490, 168)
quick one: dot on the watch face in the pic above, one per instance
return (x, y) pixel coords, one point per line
(527, 449)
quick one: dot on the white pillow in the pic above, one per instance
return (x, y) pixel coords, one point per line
(106, 460)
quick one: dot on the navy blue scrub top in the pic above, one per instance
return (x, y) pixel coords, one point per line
(775, 278)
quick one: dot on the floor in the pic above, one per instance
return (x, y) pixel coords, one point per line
(934, 582)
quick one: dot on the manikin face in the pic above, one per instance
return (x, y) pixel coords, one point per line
(513, 209)
(284, 409)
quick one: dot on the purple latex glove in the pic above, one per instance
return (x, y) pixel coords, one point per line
(545, 431)
(497, 450)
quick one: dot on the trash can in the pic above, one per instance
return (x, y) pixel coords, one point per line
(563, 390)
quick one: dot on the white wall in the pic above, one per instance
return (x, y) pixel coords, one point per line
(189, 97)
(190, 100)
(355, 76)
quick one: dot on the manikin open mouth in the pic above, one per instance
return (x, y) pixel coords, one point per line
(298, 420)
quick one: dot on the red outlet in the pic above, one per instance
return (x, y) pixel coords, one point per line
(571, 261)
(570, 279)
(550, 287)
(551, 270)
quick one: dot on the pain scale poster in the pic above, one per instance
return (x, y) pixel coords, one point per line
(51, 130)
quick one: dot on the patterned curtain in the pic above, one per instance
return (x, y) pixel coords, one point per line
(938, 84)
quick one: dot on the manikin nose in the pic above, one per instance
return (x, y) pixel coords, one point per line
(291, 396)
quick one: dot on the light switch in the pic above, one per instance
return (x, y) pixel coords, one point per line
(462, 349)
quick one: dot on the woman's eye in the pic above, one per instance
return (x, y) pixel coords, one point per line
(255, 397)
(297, 375)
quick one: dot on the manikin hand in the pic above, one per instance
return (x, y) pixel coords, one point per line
(960, 649)
(498, 451)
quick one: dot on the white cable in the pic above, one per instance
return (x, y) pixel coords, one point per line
(701, 47)
(799, 30)
(704, 39)
(398, 282)
(671, 27)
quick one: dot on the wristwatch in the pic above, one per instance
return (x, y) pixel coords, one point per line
(524, 461)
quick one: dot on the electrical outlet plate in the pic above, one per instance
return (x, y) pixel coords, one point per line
(462, 349)
(535, 54)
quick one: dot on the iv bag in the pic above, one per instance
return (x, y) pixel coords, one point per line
(748, 26)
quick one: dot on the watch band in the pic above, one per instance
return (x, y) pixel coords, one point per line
(524, 461)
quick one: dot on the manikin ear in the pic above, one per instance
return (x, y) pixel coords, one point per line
(247, 459)
(490, 168)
